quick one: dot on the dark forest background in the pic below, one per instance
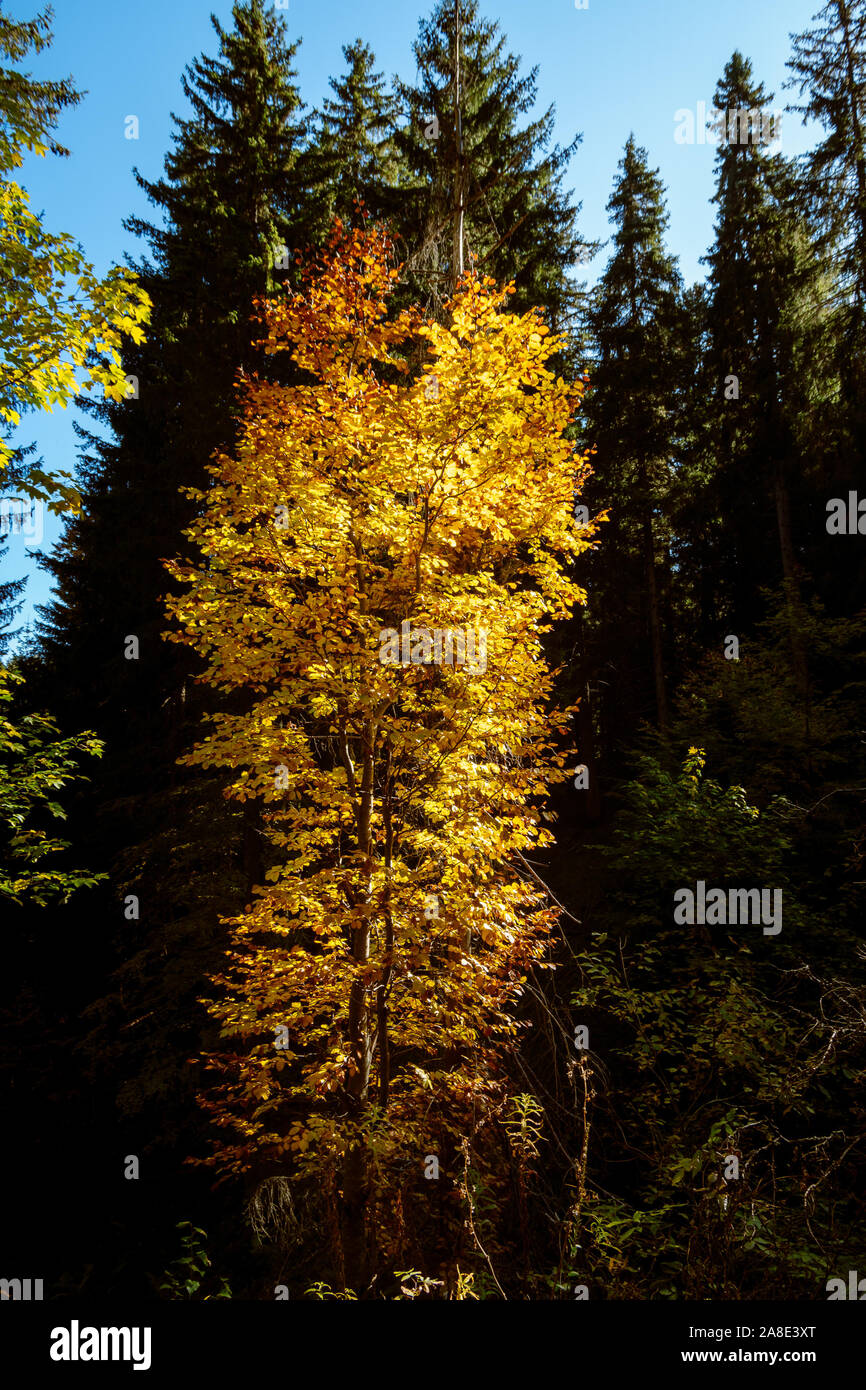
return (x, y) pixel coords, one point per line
(725, 417)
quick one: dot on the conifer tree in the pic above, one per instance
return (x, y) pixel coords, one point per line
(228, 200)
(176, 853)
(351, 160)
(763, 363)
(636, 325)
(828, 67)
(11, 603)
(473, 167)
(753, 262)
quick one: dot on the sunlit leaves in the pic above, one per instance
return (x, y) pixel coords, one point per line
(61, 326)
(357, 501)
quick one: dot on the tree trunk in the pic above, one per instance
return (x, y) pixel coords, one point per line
(254, 869)
(792, 587)
(361, 1028)
(457, 221)
(859, 151)
(783, 519)
(655, 623)
(586, 733)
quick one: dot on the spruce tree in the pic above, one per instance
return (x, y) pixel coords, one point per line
(763, 364)
(176, 855)
(828, 67)
(351, 161)
(637, 330)
(228, 200)
(11, 604)
(473, 167)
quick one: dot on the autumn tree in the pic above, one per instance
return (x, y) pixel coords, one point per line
(380, 559)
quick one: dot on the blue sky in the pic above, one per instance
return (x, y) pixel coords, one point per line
(615, 67)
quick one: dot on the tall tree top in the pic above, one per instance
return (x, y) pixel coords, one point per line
(230, 170)
(640, 273)
(746, 124)
(351, 158)
(636, 322)
(745, 172)
(828, 67)
(468, 151)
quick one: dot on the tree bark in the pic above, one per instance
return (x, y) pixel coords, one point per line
(586, 733)
(355, 1188)
(859, 150)
(361, 1038)
(792, 588)
(457, 222)
(655, 623)
(254, 869)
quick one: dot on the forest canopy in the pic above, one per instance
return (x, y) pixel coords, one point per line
(452, 690)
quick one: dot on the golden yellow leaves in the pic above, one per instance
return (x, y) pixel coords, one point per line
(358, 501)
